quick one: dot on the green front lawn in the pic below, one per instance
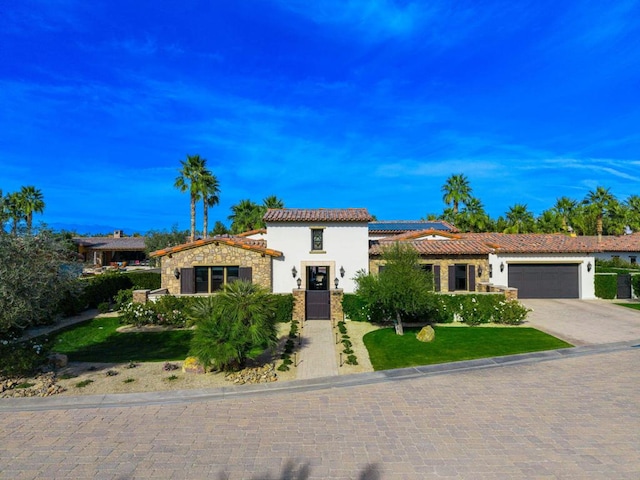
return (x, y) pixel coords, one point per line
(635, 306)
(451, 344)
(98, 341)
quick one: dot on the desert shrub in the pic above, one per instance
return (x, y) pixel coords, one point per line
(606, 286)
(352, 360)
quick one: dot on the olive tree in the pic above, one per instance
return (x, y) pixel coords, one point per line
(401, 291)
(34, 278)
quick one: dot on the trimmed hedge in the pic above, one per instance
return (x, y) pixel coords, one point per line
(606, 286)
(103, 288)
(284, 307)
(635, 284)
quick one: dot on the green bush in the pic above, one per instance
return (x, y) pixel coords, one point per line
(168, 310)
(22, 358)
(283, 307)
(635, 283)
(355, 308)
(606, 286)
(142, 280)
(104, 307)
(104, 288)
(477, 309)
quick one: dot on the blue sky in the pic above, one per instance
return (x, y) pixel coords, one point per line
(335, 103)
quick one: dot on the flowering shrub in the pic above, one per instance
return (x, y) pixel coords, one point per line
(22, 358)
(138, 314)
(168, 310)
(475, 309)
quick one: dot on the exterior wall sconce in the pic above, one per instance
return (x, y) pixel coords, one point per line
(336, 282)
(480, 271)
(299, 282)
(294, 272)
(589, 267)
(502, 266)
(176, 273)
(342, 272)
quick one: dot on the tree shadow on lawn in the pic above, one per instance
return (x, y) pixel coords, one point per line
(137, 347)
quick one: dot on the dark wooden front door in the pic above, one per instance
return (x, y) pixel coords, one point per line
(317, 298)
(624, 286)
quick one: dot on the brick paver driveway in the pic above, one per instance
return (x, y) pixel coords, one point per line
(584, 322)
(573, 417)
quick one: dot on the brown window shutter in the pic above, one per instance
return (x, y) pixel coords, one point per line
(471, 276)
(436, 277)
(187, 280)
(452, 278)
(246, 274)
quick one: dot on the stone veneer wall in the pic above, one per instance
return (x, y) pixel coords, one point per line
(444, 263)
(215, 255)
(299, 304)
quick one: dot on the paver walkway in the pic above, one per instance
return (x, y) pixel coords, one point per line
(317, 354)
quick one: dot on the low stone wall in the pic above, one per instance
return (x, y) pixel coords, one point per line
(510, 293)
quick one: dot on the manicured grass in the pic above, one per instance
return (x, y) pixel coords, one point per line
(451, 344)
(98, 341)
(635, 306)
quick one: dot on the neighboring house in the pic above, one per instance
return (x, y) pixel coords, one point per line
(316, 253)
(105, 251)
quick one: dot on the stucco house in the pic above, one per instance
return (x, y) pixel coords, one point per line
(316, 253)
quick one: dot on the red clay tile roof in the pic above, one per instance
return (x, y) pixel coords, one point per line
(233, 241)
(317, 215)
(252, 232)
(485, 243)
(622, 243)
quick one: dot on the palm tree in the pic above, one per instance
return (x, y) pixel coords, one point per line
(273, 202)
(456, 190)
(600, 200)
(246, 215)
(30, 202)
(633, 211)
(519, 219)
(238, 324)
(550, 221)
(565, 207)
(209, 190)
(475, 217)
(189, 178)
(13, 210)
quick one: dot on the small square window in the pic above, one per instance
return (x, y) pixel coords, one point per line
(633, 260)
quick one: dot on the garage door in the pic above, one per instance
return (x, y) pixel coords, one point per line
(545, 281)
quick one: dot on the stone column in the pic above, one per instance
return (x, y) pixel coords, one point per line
(299, 304)
(336, 305)
(141, 296)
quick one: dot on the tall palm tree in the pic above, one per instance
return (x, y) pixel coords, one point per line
(30, 202)
(565, 207)
(189, 178)
(456, 190)
(209, 190)
(600, 200)
(519, 219)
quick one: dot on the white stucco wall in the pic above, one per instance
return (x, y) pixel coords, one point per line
(345, 245)
(586, 278)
